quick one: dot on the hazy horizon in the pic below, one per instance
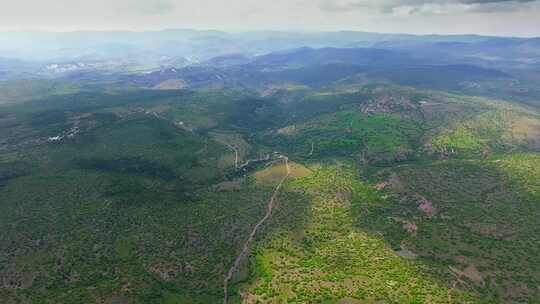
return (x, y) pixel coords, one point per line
(292, 31)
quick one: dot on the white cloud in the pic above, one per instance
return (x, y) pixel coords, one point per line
(155, 7)
(426, 6)
(413, 16)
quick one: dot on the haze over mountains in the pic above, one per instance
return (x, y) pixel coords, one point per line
(196, 46)
(463, 61)
(186, 166)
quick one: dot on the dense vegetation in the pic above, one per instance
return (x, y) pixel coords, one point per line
(396, 195)
(326, 259)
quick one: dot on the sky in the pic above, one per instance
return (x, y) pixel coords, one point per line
(487, 17)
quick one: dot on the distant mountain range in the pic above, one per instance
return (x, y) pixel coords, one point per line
(203, 45)
(254, 60)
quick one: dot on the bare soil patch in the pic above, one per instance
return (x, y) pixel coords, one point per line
(470, 272)
(427, 207)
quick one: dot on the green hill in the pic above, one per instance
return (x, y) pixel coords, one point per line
(397, 195)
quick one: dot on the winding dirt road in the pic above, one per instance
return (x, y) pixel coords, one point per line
(251, 237)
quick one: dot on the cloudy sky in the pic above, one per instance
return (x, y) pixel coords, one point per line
(495, 17)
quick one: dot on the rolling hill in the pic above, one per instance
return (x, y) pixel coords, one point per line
(271, 167)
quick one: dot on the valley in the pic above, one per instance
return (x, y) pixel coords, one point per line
(324, 174)
(246, 247)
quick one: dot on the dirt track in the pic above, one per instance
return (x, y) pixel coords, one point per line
(251, 237)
